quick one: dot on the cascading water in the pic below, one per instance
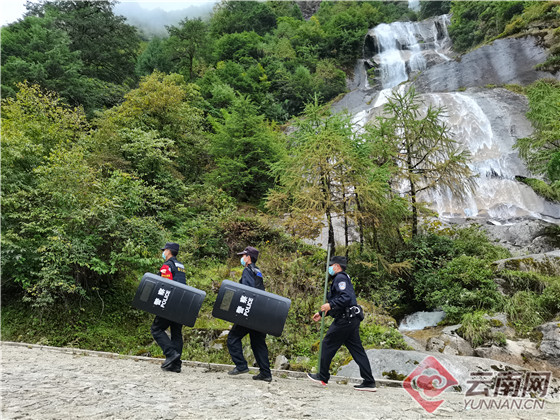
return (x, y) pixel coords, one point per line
(398, 47)
(484, 121)
(487, 123)
(421, 320)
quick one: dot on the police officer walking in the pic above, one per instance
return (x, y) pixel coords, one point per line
(345, 329)
(252, 277)
(172, 348)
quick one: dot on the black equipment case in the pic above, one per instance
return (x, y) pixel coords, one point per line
(251, 308)
(169, 299)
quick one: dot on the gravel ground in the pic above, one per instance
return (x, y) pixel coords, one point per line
(50, 383)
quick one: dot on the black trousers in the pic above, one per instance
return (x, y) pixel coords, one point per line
(344, 331)
(168, 345)
(258, 345)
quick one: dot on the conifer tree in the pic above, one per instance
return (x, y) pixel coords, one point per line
(424, 153)
(326, 173)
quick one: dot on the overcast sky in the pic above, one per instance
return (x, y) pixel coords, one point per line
(12, 10)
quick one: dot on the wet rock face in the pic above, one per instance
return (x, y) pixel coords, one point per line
(502, 62)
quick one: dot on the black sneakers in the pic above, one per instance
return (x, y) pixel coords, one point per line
(261, 377)
(315, 378)
(236, 371)
(366, 386)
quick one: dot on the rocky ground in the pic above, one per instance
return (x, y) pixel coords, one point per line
(52, 383)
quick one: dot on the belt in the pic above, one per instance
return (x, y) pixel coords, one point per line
(351, 312)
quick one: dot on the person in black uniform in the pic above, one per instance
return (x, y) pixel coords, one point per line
(345, 329)
(172, 348)
(252, 277)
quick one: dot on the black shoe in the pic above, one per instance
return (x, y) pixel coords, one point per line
(261, 377)
(172, 368)
(170, 360)
(236, 371)
(315, 378)
(366, 386)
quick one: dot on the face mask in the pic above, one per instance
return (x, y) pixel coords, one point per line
(242, 261)
(331, 271)
(163, 256)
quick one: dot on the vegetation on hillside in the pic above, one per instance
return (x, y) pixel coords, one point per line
(113, 145)
(477, 22)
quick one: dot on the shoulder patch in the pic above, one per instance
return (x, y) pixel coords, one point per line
(342, 285)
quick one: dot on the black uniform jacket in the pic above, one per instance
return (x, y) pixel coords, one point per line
(341, 295)
(252, 276)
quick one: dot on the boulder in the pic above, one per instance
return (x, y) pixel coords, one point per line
(435, 344)
(524, 237)
(443, 340)
(455, 344)
(517, 352)
(281, 362)
(302, 359)
(550, 343)
(547, 263)
(398, 364)
(413, 343)
(499, 325)
(300, 363)
(522, 352)
(220, 342)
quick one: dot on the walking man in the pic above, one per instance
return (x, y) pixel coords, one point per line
(345, 329)
(252, 277)
(172, 347)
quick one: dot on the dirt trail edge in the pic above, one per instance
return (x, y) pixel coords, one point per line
(39, 382)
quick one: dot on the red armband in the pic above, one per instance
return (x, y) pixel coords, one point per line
(166, 272)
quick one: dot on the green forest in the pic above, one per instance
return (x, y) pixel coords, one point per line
(220, 136)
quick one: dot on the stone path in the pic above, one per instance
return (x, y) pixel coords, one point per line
(50, 383)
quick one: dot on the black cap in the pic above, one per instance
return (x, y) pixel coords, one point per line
(252, 252)
(342, 261)
(171, 246)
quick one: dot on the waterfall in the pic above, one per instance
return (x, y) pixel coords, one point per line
(398, 47)
(402, 48)
(485, 122)
(421, 320)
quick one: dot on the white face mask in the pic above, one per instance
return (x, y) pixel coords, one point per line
(243, 261)
(163, 256)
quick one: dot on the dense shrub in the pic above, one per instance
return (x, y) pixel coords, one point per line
(465, 284)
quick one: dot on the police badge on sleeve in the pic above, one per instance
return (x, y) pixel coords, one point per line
(342, 285)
